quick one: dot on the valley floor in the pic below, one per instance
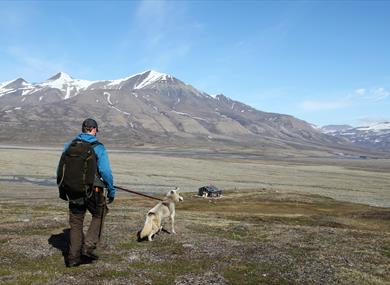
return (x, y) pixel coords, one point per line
(278, 222)
(364, 181)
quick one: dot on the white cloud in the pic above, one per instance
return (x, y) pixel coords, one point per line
(380, 93)
(375, 94)
(360, 92)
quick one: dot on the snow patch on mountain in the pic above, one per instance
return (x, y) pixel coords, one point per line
(329, 129)
(2, 84)
(108, 97)
(376, 127)
(26, 91)
(16, 84)
(119, 81)
(5, 91)
(148, 77)
(62, 81)
(152, 77)
(71, 87)
(188, 115)
(66, 83)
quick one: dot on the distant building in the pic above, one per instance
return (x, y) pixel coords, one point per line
(209, 191)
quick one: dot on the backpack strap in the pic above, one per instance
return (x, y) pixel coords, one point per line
(98, 180)
(95, 143)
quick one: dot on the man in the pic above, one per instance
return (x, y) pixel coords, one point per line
(82, 250)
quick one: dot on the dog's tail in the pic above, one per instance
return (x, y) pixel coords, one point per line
(147, 229)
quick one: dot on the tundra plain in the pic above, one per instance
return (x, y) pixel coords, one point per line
(280, 221)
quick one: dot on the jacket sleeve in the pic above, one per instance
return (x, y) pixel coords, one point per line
(104, 169)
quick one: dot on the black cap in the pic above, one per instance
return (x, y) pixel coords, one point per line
(89, 123)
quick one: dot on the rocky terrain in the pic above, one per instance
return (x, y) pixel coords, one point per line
(297, 221)
(253, 236)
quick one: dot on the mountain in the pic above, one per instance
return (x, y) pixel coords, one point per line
(329, 129)
(152, 109)
(373, 136)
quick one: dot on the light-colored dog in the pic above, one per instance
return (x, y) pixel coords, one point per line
(156, 216)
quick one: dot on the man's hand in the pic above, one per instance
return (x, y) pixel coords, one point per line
(110, 200)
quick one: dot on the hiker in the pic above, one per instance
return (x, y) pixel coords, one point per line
(86, 195)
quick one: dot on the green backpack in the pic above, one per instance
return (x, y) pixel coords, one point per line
(76, 170)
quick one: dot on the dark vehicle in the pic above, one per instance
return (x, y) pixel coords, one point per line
(209, 191)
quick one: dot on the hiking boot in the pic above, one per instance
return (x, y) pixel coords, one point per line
(74, 262)
(90, 255)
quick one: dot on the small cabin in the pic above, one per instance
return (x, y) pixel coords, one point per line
(209, 191)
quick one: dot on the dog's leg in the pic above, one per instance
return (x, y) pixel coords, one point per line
(153, 233)
(165, 231)
(173, 223)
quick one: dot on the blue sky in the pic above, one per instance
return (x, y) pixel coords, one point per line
(326, 62)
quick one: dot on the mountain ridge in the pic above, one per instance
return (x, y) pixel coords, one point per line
(154, 109)
(375, 135)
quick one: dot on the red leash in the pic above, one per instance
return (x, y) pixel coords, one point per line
(138, 193)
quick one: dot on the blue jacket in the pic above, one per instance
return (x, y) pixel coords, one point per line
(103, 163)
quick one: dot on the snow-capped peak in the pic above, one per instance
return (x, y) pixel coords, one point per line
(58, 81)
(71, 87)
(66, 83)
(11, 86)
(17, 83)
(152, 76)
(142, 79)
(62, 76)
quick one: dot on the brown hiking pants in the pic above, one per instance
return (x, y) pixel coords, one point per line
(78, 243)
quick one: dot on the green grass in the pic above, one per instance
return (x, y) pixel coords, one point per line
(166, 272)
(354, 276)
(112, 273)
(385, 250)
(31, 271)
(127, 245)
(254, 274)
(229, 232)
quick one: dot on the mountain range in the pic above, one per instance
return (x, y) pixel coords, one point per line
(374, 135)
(154, 110)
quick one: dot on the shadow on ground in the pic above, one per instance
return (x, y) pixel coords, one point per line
(61, 241)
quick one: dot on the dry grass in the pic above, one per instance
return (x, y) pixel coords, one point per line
(269, 231)
(360, 181)
(246, 237)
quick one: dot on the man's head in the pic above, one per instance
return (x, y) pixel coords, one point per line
(90, 126)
